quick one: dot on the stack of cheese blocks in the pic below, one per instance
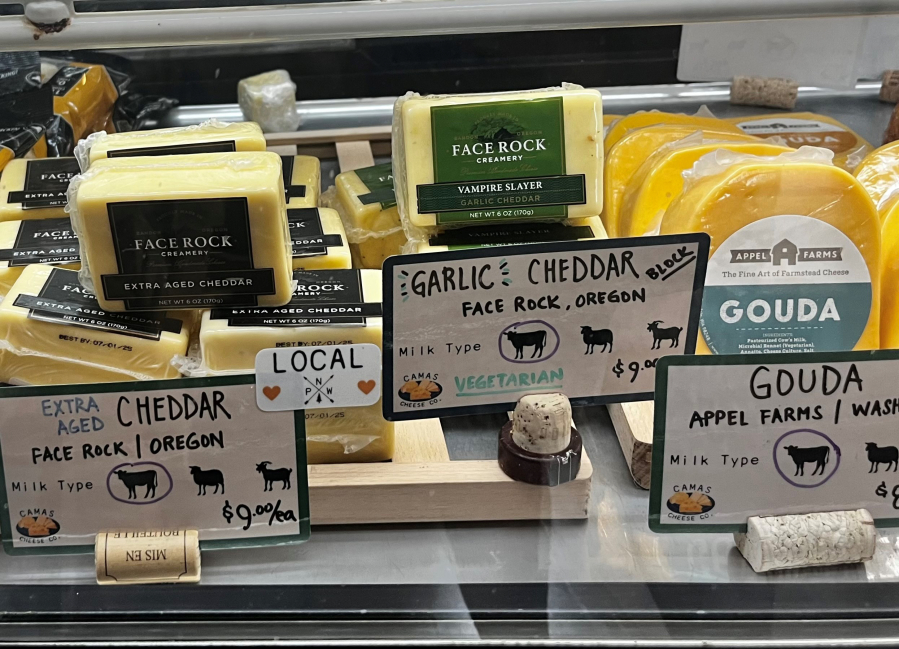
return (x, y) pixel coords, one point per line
(180, 239)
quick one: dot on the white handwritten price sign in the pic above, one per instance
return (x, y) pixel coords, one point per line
(755, 435)
(184, 454)
(472, 331)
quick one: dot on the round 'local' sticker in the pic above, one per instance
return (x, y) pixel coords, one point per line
(785, 284)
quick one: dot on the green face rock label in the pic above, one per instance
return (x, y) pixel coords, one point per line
(785, 284)
(500, 160)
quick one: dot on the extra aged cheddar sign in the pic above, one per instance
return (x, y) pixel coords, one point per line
(472, 331)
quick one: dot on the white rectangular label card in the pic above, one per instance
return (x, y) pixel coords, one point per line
(759, 435)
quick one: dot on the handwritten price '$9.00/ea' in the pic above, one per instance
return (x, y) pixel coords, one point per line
(246, 513)
(635, 367)
(883, 493)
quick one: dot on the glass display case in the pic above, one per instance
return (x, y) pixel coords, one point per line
(421, 539)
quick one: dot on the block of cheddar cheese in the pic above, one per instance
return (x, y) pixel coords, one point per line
(318, 239)
(515, 156)
(35, 188)
(183, 231)
(514, 233)
(879, 174)
(302, 180)
(795, 253)
(36, 241)
(660, 180)
(209, 137)
(367, 204)
(330, 307)
(53, 331)
(809, 129)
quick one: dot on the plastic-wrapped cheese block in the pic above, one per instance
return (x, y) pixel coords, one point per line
(515, 156)
(185, 231)
(795, 253)
(889, 301)
(367, 203)
(302, 180)
(879, 174)
(624, 159)
(52, 331)
(809, 129)
(35, 188)
(209, 137)
(84, 96)
(642, 119)
(330, 307)
(514, 233)
(44, 241)
(270, 100)
(660, 180)
(318, 239)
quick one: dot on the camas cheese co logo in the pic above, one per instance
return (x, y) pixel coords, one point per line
(690, 502)
(419, 390)
(37, 526)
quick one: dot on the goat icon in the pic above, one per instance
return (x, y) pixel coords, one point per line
(668, 333)
(274, 475)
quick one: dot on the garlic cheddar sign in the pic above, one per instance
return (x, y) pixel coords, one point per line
(474, 330)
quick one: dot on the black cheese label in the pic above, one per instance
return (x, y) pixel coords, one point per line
(505, 235)
(46, 182)
(223, 146)
(66, 79)
(184, 254)
(321, 298)
(62, 300)
(43, 241)
(290, 190)
(306, 233)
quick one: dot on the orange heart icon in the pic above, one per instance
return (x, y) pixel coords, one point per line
(366, 386)
(271, 392)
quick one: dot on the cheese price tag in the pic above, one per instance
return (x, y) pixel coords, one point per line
(327, 376)
(472, 331)
(759, 435)
(193, 454)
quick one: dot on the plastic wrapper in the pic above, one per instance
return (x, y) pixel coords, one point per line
(659, 180)
(212, 136)
(366, 202)
(879, 174)
(84, 96)
(889, 304)
(795, 253)
(269, 99)
(26, 110)
(702, 119)
(183, 231)
(515, 157)
(809, 129)
(52, 331)
(35, 188)
(41, 241)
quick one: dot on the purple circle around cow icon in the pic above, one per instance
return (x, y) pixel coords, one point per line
(817, 456)
(141, 484)
(529, 346)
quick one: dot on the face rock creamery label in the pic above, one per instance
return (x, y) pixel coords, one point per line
(785, 284)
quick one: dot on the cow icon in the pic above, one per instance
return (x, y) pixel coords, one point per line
(593, 337)
(208, 478)
(135, 479)
(878, 455)
(535, 339)
(820, 455)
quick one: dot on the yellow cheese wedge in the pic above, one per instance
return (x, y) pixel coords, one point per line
(209, 137)
(44, 241)
(53, 331)
(809, 129)
(607, 121)
(514, 233)
(84, 96)
(184, 231)
(318, 239)
(230, 340)
(35, 188)
(879, 174)
(660, 180)
(642, 119)
(302, 180)
(515, 156)
(889, 301)
(795, 257)
(367, 204)
(623, 160)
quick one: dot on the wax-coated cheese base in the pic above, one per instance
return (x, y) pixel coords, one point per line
(255, 176)
(889, 291)
(80, 354)
(13, 180)
(9, 274)
(583, 144)
(374, 233)
(643, 119)
(337, 256)
(246, 136)
(723, 203)
(879, 175)
(307, 171)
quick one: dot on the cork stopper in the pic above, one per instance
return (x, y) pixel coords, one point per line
(542, 423)
(761, 91)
